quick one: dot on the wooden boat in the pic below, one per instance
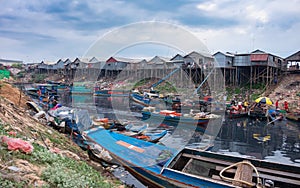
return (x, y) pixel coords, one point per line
(169, 116)
(186, 106)
(160, 166)
(152, 137)
(47, 89)
(146, 100)
(140, 99)
(258, 113)
(110, 92)
(32, 105)
(116, 125)
(32, 92)
(236, 114)
(129, 129)
(60, 85)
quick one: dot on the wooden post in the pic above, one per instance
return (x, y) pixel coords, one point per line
(251, 78)
(267, 77)
(20, 96)
(236, 76)
(224, 76)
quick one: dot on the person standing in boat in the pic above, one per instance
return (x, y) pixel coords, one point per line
(286, 106)
(246, 104)
(276, 104)
(240, 107)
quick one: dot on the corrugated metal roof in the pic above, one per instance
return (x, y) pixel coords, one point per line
(10, 61)
(259, 57)
(49, 62)
(158, 60)
(124, 59)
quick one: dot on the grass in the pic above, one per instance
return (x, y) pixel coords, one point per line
(166, 87)
(142, 82)
(65, 172)
(242, 91)
(11, 184)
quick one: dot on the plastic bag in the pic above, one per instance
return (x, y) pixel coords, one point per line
(17, 144)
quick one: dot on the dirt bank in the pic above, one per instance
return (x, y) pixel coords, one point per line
(55, 159)
(13, 94)
(288, 90)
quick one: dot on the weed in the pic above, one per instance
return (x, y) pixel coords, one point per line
(11, 184)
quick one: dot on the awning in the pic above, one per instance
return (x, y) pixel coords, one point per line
(259, 57)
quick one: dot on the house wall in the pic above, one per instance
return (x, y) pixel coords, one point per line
(223, 60)
(242, 60)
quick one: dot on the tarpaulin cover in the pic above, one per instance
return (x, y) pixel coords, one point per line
(4, 74)
(82, 119)
(17, 144)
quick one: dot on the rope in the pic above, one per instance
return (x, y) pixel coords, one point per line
(259, 183)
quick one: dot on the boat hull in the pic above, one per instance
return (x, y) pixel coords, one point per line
(174, 119)
(293, 117)
(233, 115)
(140, 159)
(111, 93)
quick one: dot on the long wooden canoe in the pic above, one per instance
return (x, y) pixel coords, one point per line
(160, 166)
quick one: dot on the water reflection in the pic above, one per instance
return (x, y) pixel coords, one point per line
(257, 139)
(247, 137)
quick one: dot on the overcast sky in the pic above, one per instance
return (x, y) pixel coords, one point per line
(36, 30)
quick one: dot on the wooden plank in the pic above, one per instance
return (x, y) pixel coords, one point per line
(278, 172)
(187, 164)
(216, 177)
(225, 163)
(278, 179)
(129, 146)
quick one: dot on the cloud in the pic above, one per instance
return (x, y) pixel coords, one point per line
(207, 6)
(44, 27)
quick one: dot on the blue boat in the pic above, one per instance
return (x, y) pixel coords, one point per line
(140, 132)
(148, 99)
(47, 89)
(110, 92)
(81, 90)
(32, 92)
(160, 166)
(275, 115)
(60, 85)
(172, 118)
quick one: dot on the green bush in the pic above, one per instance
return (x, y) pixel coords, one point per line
(166, 88)
(17, 66)
(37, 78)
(65, 172)
(21, 74)
(142, 82)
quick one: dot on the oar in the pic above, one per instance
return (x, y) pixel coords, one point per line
(273, 120)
